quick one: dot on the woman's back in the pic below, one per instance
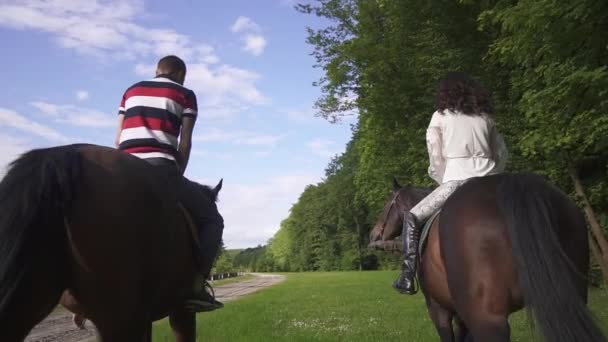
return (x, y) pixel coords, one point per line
(470, 145)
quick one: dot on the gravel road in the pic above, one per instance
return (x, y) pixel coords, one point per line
(58, 326)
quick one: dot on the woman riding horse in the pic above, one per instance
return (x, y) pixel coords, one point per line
(503, 241)
(463, 142)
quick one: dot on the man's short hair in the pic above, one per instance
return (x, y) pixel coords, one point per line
(171, 64)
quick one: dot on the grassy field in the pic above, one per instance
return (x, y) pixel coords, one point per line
(339, 306)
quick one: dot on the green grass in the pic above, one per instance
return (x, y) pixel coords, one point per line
(338, 306)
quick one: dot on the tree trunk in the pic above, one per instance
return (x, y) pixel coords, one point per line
(597, 255)
(596, 230)
(359, 243)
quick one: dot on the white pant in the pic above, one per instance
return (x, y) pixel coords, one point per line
(433, 201)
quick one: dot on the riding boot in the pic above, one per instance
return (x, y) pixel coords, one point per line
(210, 228)
(204, 295)
(411, 234)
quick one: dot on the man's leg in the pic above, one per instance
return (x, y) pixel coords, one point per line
(412, 221)
(210, 226)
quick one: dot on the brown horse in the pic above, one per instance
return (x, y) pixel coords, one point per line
(106, 226)
(500, 243)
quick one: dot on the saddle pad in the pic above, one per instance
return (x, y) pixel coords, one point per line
(425, 232)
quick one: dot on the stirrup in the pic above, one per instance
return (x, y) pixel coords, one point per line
(415, 285)
(207, 285)
(204, 305)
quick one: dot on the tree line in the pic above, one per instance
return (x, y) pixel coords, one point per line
(545, 62)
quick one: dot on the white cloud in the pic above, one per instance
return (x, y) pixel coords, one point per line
(45, 107)
(219, 84)
(238, 137)
(287, 3)
(222, 90)
(253, 212)
(10, 149)
(323, 147)
(299, 115)
(145, 70)
(262, 153)
(243, 24)
(109, 29)
(101, 28)
(10, 118)
(76, 116)
(82, 95)
(255, 44)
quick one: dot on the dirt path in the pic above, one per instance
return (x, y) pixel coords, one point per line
(58, 327)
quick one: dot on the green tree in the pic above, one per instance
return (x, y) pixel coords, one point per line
(556, 52)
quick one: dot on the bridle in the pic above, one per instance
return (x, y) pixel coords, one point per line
(393, 203)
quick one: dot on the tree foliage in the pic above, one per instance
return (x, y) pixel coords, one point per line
(545, 62)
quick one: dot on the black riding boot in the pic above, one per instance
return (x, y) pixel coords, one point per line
(204, 296)
(210, 228)
(411, 234)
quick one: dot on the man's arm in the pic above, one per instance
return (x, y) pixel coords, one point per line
(185, 142)
(121, 118)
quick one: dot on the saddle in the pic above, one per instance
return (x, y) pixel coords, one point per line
(424, 233)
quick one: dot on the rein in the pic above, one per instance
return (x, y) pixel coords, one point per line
(393, 202)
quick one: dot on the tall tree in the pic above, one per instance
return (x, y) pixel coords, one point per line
(557, 55)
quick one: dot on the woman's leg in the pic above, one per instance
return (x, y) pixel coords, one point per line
(412, 220)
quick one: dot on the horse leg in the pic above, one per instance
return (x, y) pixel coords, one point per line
(183, 324)
(462, 331)
(491, 328)
(25, 315)
(33, 300)
(483, 305)
(125, 332)
(148, 333)
(442, 318)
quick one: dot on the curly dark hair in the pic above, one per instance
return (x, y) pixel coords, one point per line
(459, 92)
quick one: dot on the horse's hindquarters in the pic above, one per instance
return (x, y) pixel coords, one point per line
(132, 251)
(476, 248)
(433, 273)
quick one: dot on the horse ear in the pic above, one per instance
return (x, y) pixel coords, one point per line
(218, 187)
(396, 185)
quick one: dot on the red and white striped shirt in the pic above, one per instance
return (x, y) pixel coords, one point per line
(153, 113)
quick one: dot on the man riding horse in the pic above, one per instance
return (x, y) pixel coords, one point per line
(155, 122)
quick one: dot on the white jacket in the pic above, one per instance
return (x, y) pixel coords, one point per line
(462, 146)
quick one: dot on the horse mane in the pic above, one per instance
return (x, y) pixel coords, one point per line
(417, 193)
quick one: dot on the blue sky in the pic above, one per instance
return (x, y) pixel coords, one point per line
(66, 64)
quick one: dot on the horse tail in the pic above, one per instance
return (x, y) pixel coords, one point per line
(554, 290)
(34, 196)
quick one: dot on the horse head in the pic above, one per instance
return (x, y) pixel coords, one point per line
(390, 222)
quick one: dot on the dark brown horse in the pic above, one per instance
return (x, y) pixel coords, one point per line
(501, 243)
(102, 224)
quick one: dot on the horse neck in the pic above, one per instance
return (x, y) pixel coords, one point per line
(416, 194)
